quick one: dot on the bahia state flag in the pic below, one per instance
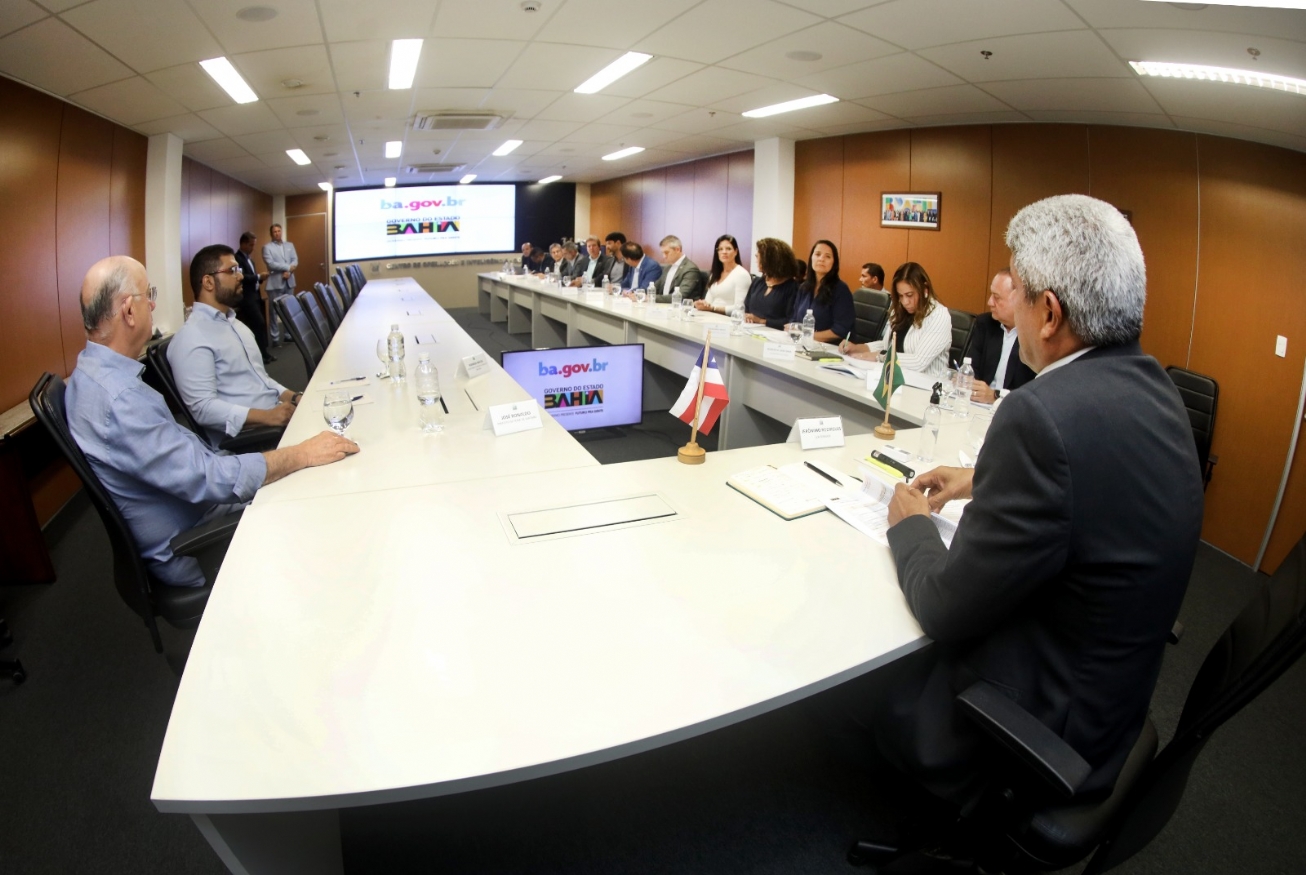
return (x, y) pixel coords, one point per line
(715, 398)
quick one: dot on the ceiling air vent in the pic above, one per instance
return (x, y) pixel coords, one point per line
(434, 120)
(433, 168)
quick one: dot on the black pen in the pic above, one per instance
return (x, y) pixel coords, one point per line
(822, 473)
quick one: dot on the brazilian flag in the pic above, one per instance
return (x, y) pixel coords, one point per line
(894, 381)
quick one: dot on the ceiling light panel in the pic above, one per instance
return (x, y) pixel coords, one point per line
(791, 106)
(614, 71)
(546, 180)
(623, 153)
(394, 148)
(466, 179)
(506, 148)
(1226, 75)
(298, 156)
(404, 54)
(225, 75)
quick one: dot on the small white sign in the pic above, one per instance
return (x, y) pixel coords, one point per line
(595, 297)
(567, 292)
(779, 351)
(716, 329)
(476, 365)
(622, 304)
(514, 417)
(817, 432)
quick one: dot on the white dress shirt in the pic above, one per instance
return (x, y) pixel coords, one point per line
(669, 272)
(1008, 344)
(924, 349)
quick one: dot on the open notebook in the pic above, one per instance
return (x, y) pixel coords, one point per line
(791, 491)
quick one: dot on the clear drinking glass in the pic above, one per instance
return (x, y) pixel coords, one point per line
(978, 429)
(687, 309)
(794, 330)
(383, 353)
(736, 320)
(338, 410)
(640, 296)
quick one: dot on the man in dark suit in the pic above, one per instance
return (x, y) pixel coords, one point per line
(567, 267)
(640, 269)
(994, 348)
(250, 308)
(1068, 568)
(593, 265)
(679, 272)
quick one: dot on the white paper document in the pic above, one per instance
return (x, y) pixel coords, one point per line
(867, 511)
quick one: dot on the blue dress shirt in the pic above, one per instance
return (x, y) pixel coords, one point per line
(161, 475)
(219, 371)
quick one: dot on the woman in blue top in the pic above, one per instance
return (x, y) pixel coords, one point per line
(825, 295)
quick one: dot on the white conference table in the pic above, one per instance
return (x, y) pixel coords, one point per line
(367, 644)
(782, 390)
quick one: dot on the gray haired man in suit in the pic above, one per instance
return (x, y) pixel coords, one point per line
(281, 259)
(680, 272)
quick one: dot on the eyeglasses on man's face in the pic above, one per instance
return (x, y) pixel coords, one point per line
(234, 270)
(151, 294)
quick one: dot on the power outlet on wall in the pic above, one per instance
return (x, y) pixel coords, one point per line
(1281, 346)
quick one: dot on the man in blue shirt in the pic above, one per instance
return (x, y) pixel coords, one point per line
(162, 477)
(640, 269)
(215, 358)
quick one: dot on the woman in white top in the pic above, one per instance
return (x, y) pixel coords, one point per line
(922, 326)
(729, 280)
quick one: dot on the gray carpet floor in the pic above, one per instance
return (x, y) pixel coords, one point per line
(79, 741)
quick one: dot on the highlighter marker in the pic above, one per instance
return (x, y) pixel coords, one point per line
(892, 472)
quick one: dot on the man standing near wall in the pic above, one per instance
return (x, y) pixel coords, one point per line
(250, 309)
(280, 257)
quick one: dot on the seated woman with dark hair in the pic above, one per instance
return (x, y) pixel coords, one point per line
(827, 296)
(728, 283)
(770, 299)
(921, 325)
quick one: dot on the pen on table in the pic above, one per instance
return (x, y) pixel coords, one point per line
(347, 380)
(823, 474)
(356, 398)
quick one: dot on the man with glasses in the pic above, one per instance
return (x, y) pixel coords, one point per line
(280, 257)
(215, 359)
(163, 477)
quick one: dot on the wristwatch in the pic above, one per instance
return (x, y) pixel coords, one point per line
(997, 393)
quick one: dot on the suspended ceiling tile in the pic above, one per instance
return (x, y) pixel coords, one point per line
(19, 13)
(709, 85)
(653, 75)
(519, 102)
(752, 130)
(935, 101)
(1287, 23)
(1128, 119)
(969, 118)
(587, 22)
(246, 118)
(703, 145)
(555, 67)
(265, 71)
(308, 110)
(322, 138)
(233, 166)
(189, 85)
(862, 128)
(1242, 105)
(372, 106)
(836, 44)
(361, 65)
(272, 142)
(59, 5)
(717, 29)
(781, 92)
(1087, 95)
(1279, 56)
(295, 24)
(376, 19)
(189, 128)
(490, 19)
(699, 121)
(54, 57)
(214, 150)
(915, 24)
(129, 101)
(900, 72)
(1046, 55)
(544, 129)
(648, 112)
(617, 136)
(583, 108)
(145, 34)
(471, 63)
(466, 99)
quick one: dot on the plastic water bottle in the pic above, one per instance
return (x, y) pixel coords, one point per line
(394, 346)
(675, 303)
(965, 383)
(426, 379)
(930, 427)
(809, 329)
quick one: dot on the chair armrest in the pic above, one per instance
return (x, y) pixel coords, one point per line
(1036, 746)
(215, 531)
(1176, 633)
(257, 439)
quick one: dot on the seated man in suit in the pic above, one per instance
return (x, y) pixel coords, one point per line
(872, 277)
(640, 269)
(215, 361)
(162, 476)
(567, 267)
(593, 265)
(994, 348)
(1068, 568)
(613, 242)
(539, 261)
(526, 256)
(679, 271)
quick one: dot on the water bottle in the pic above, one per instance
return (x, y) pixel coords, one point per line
(930, 426)
(965, 383)
(675, 303)
(430, 414)
(809, 329)
(394, 346)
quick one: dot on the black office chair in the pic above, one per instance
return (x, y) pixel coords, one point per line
(250, 440)
(11, 667)
(1036, 823)
(1201, 395)
(301, 331)
(359, 279)
(180, 606)
(316, 318)
(962, 323)
(346, 288)
(330, 304)
(870, 309)
(341, 287)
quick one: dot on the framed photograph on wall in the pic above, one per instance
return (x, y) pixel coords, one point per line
(915, 209)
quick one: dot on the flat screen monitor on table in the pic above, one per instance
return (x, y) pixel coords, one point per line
(583, 387)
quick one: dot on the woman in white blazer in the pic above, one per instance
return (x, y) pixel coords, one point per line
(729, 280)
(921, 325)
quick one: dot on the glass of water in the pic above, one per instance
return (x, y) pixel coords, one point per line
(338, 410)
(794, 330)
(736, 320)
(640, 296)
(383, 353)
(978, 429)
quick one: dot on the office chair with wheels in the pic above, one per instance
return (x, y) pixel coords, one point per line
(11, 667)
(871, 309)
(1201, 396)
(301, 331)
(316, 318)
(1034, 821)
(962, 323)
(329, 303)
(180, 606)
(250, 440)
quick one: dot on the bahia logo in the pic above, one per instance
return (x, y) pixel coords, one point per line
(422, 205)
(567, 370)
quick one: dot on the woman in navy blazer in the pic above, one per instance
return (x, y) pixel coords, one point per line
(825, 295)
(770, 299)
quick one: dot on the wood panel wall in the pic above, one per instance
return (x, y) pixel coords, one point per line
(1220, 221)
(217, 209)
(697, 201)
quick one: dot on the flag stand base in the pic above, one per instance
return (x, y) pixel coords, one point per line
(692, 454)
(884, 431)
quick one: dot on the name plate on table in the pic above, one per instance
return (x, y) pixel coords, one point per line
(595, 297)
(622, 304)
(514, 417)
(817, 432)
(567, 292)
(476, 365)
(779, 351)
(716, 329)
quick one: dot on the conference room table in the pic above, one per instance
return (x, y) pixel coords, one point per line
(777, 388)
(422, 624)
